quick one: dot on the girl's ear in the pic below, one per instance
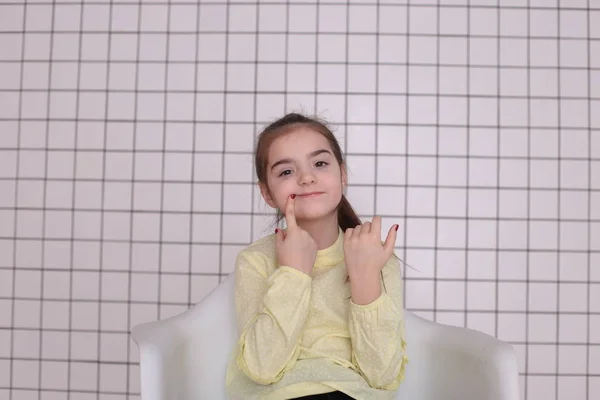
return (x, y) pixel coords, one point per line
(266, 195)
(344, 175)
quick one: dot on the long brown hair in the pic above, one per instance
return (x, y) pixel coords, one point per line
(347, 217)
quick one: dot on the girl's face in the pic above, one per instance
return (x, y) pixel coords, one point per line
(301, 162)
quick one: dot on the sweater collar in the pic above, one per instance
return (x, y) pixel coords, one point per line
(333, 254)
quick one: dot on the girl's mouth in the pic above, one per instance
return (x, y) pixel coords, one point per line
(312, 194)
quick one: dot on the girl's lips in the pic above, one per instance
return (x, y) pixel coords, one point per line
(314, 194)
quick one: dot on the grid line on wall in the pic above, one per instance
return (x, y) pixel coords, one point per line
(350, 93)
(558, 200)
(224, 141)
(399, 3)
(163, 160)
(498, 164)
(73, 205)
(425, 125)
(468, 182)
(376, 133)
(200, 152)
(589, 208)
(317, 62)
(346, 72)
(415, 309)
(40, 369)
(133, 196)
(193, 177)
(240, 182)
(493, 66)
(305, 33)
(437, 164)
(121, 211)
(406, 144)
(527, 278)
(255, 106)
(102, 202)
(15, 224)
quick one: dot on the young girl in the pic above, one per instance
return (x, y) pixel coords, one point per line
(319, 305)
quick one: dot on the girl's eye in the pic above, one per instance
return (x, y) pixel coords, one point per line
(318, 164)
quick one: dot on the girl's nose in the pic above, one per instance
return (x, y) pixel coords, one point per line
(307, 178)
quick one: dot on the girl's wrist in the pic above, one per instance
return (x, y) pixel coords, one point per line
(365, 288)
(364, 274)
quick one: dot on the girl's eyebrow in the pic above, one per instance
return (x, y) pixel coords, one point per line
(289, 160)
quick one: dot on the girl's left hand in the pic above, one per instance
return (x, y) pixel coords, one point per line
(363, 252)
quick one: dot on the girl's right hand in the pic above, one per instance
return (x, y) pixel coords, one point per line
(296, 248)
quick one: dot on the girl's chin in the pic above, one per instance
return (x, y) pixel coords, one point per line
(313, 214)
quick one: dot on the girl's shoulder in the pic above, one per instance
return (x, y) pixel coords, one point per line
(261, 249)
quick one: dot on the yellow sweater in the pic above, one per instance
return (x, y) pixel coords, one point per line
(303, 335)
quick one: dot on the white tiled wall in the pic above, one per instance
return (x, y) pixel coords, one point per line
(126, 133)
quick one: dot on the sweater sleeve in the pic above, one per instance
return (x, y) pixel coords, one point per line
(377, 334)
(271, 311)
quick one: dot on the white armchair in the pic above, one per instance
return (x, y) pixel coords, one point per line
(185, 357)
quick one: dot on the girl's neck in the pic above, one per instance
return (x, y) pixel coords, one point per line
(324, 231)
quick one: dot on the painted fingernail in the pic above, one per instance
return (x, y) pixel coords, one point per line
(397, 227)
(276, 230)
(293, 196)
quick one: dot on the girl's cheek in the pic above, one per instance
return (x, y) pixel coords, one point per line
(281, 191)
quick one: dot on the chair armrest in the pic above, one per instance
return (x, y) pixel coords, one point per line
(157, 343)
(457, 363)
(188, 353)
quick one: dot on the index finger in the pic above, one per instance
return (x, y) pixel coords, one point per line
(376, 225)
(290, 212)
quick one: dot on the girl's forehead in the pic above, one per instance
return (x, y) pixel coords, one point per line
(299, 141)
